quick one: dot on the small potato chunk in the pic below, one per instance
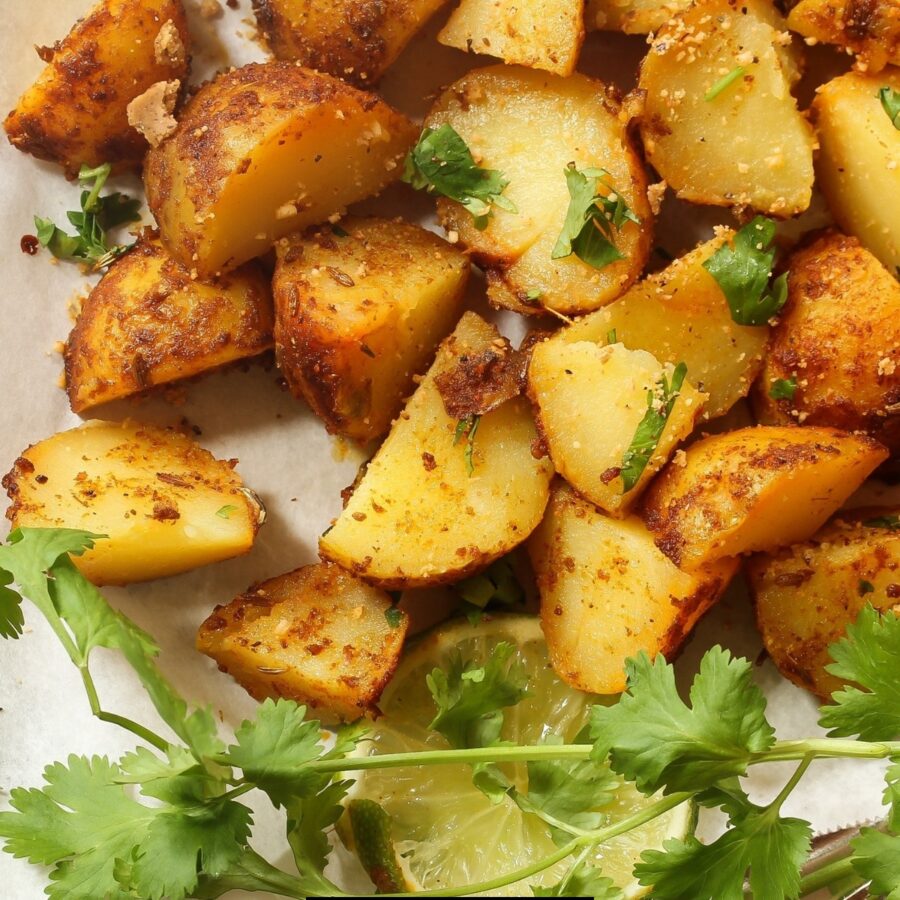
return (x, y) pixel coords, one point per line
(607, 592)
(419, 516)
(165, 504)
(859, 161)
(75, 113)
(148, 322)
(262, 151)
(352, 39)
(316, 635)
(530, 125)
(808, 593)
(754, 489)
(359, 312)
(631, 16)
(838, 341)
(589, 402)
(535, 33)
(746, 146)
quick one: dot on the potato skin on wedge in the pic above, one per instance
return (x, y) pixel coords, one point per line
(316, 635)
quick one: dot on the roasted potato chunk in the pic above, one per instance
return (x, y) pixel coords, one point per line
(529, 126)
(75, 113)
(631, 16)
(263, 150)
(353, 39)
(607, 592)
(316, 635)
(434, 503)
(754, 489)
(858, 166)
(165, 504)
(148, 322)
(359, 312)
(719, 123)
(537, 34)
(836, 348)
(589, 403)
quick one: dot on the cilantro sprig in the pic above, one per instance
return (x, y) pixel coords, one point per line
(783, 388)
(890, 103)
(467, 428)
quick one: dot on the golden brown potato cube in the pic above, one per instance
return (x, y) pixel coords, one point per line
(165, 504)
(353, 39)
(534, 33)
(589, 403)
(834, 358)
(608, 592)
(719, 123)
(262, 151)
(316, 635)
(359, 311)
(148, 322)
(436, 503)
(631, 16)
(75, 113)
(858, 166)
(754, 489)
(530, 125)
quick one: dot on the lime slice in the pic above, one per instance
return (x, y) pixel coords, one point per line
(442, 832)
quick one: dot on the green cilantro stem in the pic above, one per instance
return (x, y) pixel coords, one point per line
(830, 874)
(792, 782)
(724, 83)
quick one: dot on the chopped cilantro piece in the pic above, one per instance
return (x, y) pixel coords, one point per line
(724, 83)
(224, 512)
(890, 103)
(783, 388)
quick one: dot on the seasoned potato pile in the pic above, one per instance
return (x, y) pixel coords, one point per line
(316, 635)
(360, 310)
(164, 503)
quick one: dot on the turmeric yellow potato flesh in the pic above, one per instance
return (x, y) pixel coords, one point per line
(317, 635)
(530, 125)
(589, 403)
(631, 16)
(608, 593)
(534, 33)
(858, 166)
(148, 322)
(719, 123)
(360, 310)
(76, 111)
(262, 151)
(434, 505)
(754, 489)
(165, 504)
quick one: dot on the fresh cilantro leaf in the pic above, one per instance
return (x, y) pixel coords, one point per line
(660, 401)
(783, 388)
(497, 584)
(611, 336)
(724, 83)
(891, 522)
(892, 794)
(876, 856)
(890, 103)
(582, 881)
(224, 512)
(743, 271)
(176, 778)
(467, 428)
(309, 818)
(394, 616)
(12, 621)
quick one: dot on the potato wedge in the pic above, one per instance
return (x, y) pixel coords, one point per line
(589, 402)
(262, 151)
(631, 16)
(607, 592)
(838, 342)
(419, 516)
(75, 113)
(165, 504)
(530, 125)
(733, 143)
(538, 34)
(316, 635)
(754, 489)
(858, 166)
(148, 322)
(359, 312)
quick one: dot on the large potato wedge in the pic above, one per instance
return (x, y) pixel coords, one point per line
(589, 402)
(148, 322)
(263, 150)
(607, 592)
(75, 113)
(631, 16)
(858, 166)
(530, 125)
(419, 516)
(748, 144)
(316, 635)
(754, 489)
(838, 341)
(165, 504)
(359, 312)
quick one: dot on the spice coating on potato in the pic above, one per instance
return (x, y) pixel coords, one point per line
(631, 16)
(316, 635)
